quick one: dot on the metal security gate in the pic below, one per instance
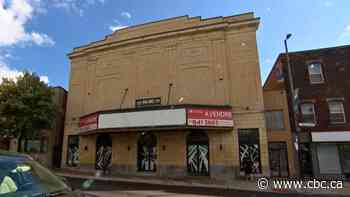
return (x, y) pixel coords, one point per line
(198, 154)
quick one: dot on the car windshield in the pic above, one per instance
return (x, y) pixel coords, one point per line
(20, 176)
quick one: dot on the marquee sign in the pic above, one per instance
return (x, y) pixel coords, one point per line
(147, 118)
(183, 116)
(88, 123)
(209, 117)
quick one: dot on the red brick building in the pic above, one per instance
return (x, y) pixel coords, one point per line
(321, 107)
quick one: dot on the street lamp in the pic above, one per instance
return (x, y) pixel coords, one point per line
(294, 98)
(288, 64)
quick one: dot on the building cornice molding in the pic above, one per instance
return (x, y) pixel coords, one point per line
(229, 24)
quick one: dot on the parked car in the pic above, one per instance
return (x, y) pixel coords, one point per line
(21, 176)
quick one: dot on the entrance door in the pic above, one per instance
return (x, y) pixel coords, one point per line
(147, 153)
(198, 154)
(344, 151)
(103, 151)
(278, 159)
(305, 160)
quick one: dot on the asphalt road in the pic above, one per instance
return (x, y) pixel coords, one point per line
(114, 188)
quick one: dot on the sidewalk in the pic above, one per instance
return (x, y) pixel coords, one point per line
(239, 185)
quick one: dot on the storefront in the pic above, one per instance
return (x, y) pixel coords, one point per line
(184, 140)
(331, 154)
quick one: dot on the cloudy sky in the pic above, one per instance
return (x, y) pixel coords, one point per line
(36, 35)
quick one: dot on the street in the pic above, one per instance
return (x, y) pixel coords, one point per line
(114, 188)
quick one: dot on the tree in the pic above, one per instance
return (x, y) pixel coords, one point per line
(26, 108)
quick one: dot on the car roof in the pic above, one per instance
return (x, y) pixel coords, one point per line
(13, 154)
(9, 160)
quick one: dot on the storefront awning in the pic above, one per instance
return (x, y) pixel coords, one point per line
(335, 136)
(158, 118)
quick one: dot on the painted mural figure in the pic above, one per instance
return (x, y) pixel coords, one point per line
(104, 153)
(198, 159)
(148, 161)
(147, 152)
(99, 160)
(247, 165)
(107, 158)
(198, 154)
(104, 158)
(73, 151)
(251, 153)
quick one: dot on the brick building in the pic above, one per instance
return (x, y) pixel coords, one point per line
(282, 154)
(176, 98)
(321, 108)
(47, 149)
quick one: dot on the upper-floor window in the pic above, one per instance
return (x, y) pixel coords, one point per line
(308, 114)
(315, 73)
(274, 120)
(336, 112)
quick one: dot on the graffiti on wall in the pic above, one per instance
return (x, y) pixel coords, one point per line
(104, 157)
(73, 151)
(250, 152)
(198, 154)
(103, 152)
(148, 159)
(197, 159)
(147, 152)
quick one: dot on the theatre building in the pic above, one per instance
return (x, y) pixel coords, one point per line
(180, 97)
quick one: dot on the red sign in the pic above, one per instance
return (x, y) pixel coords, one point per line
(88, 123)
(209, 117)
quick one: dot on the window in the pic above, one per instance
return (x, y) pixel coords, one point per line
(336, 112)
(315, 73)
(35, 146)
(274, 120)
(308, 113)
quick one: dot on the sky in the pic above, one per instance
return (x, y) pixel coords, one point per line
(37, 35)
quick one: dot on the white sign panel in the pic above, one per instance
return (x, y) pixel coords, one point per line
(167, 117)
(338, 136)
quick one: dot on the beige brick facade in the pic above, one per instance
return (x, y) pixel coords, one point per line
(276, 100)
(209, 62)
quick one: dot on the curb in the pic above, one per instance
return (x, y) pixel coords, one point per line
(153, 182)
(199, 185)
